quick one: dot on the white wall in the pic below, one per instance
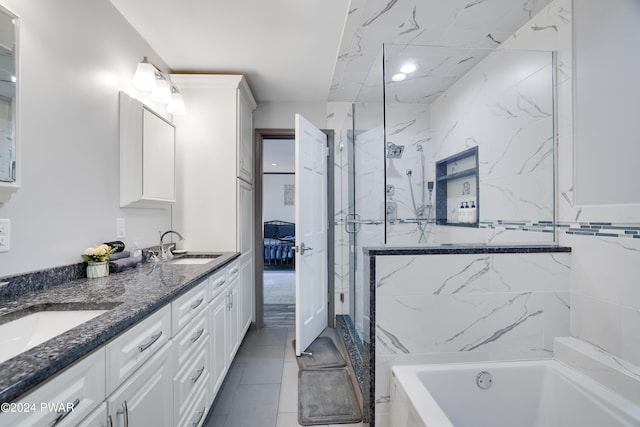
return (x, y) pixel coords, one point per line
(273, 207)
(605, 296)
(280, 115)
(607, 126)
(75, 57)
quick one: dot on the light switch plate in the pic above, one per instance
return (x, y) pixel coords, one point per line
(5, 235)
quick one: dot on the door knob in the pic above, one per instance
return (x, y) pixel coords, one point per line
(302, 248)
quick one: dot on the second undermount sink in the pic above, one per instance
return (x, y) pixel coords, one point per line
(26, 332)
(194, 259)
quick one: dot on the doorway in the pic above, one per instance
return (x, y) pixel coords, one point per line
(275, 271)
(278, 231)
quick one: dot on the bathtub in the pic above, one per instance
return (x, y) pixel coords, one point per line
(544, 393)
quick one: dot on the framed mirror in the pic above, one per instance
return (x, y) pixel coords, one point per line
(9, 173)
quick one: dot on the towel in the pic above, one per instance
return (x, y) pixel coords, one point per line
(122, 264)
(117, 245)
(117, 255)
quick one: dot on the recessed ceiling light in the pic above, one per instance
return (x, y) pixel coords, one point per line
(398, 77)
(408, 68)
(274, 164)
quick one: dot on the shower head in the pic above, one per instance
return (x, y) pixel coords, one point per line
(394, 151)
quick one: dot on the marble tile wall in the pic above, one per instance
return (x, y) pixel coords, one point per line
(604, 296)
(504, 105)
(454, 308)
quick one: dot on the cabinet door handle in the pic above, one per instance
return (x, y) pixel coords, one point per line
(125, 413)
(154, 338)
(220, 283)
(197, 303)
(109, 421)
(234, 271)
(197, 336)
(198, 375)
(62, 413)
(196, 422)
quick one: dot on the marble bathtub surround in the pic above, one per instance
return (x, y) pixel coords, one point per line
(128, 296)
(457, 303)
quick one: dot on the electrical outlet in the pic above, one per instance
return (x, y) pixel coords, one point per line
(5, 235)
(121, 228)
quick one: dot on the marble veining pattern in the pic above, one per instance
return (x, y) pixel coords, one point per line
(462, 23)
(464, 303)
(129, 296)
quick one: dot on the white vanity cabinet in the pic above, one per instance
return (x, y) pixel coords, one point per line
(65, 399)
(219, 341)
(226, 330)
(247, 257)
(235, 332)
(140, 373)
(147, 156)
(189, 305)
(163, 371)
(192, 354)
(246, 105)
(131, 349)
(146, 397)
(215, 163)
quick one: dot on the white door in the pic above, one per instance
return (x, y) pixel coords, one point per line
(311, 233)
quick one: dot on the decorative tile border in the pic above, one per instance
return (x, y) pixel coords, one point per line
(597, 229)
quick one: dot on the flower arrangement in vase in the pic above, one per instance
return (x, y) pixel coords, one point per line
(97, 259)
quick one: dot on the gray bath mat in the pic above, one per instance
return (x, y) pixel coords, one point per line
(324, 354)
(326, 397)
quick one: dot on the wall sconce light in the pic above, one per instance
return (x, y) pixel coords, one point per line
(176, 105)
(149, 78)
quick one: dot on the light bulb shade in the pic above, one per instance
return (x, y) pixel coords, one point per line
(162, 92)
(176, 106)
(145, 77)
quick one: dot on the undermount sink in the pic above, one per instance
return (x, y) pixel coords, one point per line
(194, 259)
(26, 332)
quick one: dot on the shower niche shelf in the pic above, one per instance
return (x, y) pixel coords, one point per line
(457, 184)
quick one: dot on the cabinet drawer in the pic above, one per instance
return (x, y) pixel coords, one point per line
(192, 377)
(69, 397)
(217, 283)
(188, 306)
(197, 412)
(132, 348)
(234, 271)
(190, 338)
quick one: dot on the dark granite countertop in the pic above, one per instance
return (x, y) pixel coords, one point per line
(128, 296)
(464, 249)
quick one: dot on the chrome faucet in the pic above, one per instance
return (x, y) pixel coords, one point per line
(167, 254)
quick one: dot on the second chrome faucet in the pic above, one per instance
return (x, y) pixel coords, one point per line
(167, 254)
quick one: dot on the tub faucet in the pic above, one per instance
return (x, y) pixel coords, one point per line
(167, 254)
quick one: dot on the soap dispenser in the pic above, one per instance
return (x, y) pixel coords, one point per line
(461, 212)
(466, 218)
(473, 213)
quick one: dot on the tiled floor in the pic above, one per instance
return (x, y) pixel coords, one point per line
(279, 298)
(261, 389)
(279, 286)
